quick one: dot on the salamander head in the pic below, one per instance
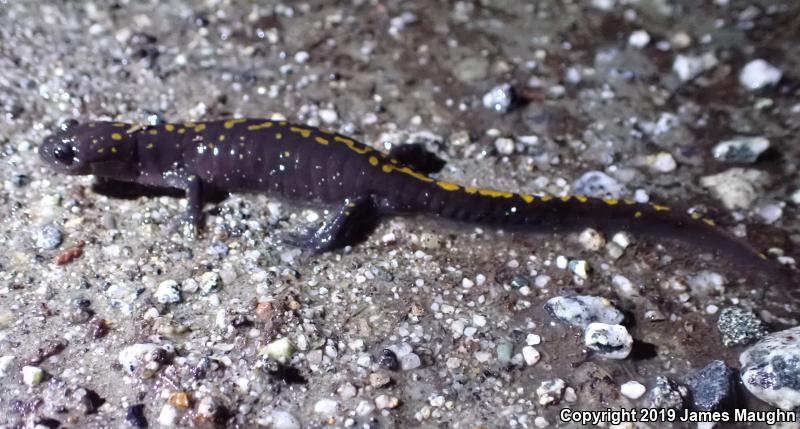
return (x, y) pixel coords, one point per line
(79, 149)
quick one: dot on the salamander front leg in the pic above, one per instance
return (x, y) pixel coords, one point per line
(194, 210)
(352, 222)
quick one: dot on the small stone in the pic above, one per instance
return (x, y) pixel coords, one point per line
(740, 150)
(737, 188)
(550, 391)
(530, 355)
(738, 326)
(769, 213)
(5, 364)
(168, 416)
(500, 98)
(639, 39)
(591, 240)
(758, 74)
(326, 407)
(711, 387)
(668, 394)
(387, 359)
(662, 162)
(134, 415)
(48, 237)
(301, 57)
(208, 409)
(582, 310)
(378, 380)
(504, 146)
(328, 116)
(179, 400)
(504, 351)
(562, 262)
(364, 408)
(410, 361)
(771, 369)
(608, 341)
(632, 389)
(145, 359)
(32, 375)
(598, 185)
(209, 282)
(689, 67)
(280, 350)
(168, 292)
(346, 391)
(579, 267)
(383, 402)
(284, 420)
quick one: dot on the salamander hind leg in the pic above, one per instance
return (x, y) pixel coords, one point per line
(350, 224)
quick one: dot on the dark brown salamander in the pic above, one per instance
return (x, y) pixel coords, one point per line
(317, 166)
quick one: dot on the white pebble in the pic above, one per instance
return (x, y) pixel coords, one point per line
(609, 341)
(562, 262)
(632, 389)
(168, 416)
(531, 355)
(301, 57)
(326, 407)
(591, 240)
(689, 67)
(284, 420)
(662, 162)
(758, 74)
(328, 116)
(504, 146)
(639, 39)
(32, 375)
(168, 292)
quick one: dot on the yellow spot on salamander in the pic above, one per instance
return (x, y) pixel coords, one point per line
(113, 149)
(278, 136)
(546, 198)
(447, 186)
(629, 201)
(169, 127)
(149, 146)
(199, 127)
(120, 124)
(709, 222)
(527, 198)
(324, 131)
(696, 216)
(637, 215)
(152, 132)
(303, 132)
(470, 190)
(659, 208)
(373, 161)
(222, 137)
(495, 194)
(386, 168)
(229, 124)
(189, 124)
(353, 145)
(282, 123)
(259, 126)
(116, 136)
(286, 154)
(611, 201)
(321, 140)
(181, 130)
(566, 198)
(581, 198)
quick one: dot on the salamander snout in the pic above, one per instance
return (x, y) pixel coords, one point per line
(62, 150)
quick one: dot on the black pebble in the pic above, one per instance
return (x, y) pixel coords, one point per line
(134, 415)
(388, 360)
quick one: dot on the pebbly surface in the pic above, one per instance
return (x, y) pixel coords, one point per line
(109, 317)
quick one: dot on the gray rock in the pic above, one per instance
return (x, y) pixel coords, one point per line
(771, 369)
(737, 188)
(597, 184)
(740, 150)
(738, 326)
(168, 292)
(582, 310)
(48, 237)
(667, 394)
(711, 387)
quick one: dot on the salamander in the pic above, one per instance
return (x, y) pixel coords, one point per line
(313, 165)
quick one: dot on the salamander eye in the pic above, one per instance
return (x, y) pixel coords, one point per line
(69, 123)
(64, 154)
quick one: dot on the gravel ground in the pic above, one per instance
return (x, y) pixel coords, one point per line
(109, 317)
